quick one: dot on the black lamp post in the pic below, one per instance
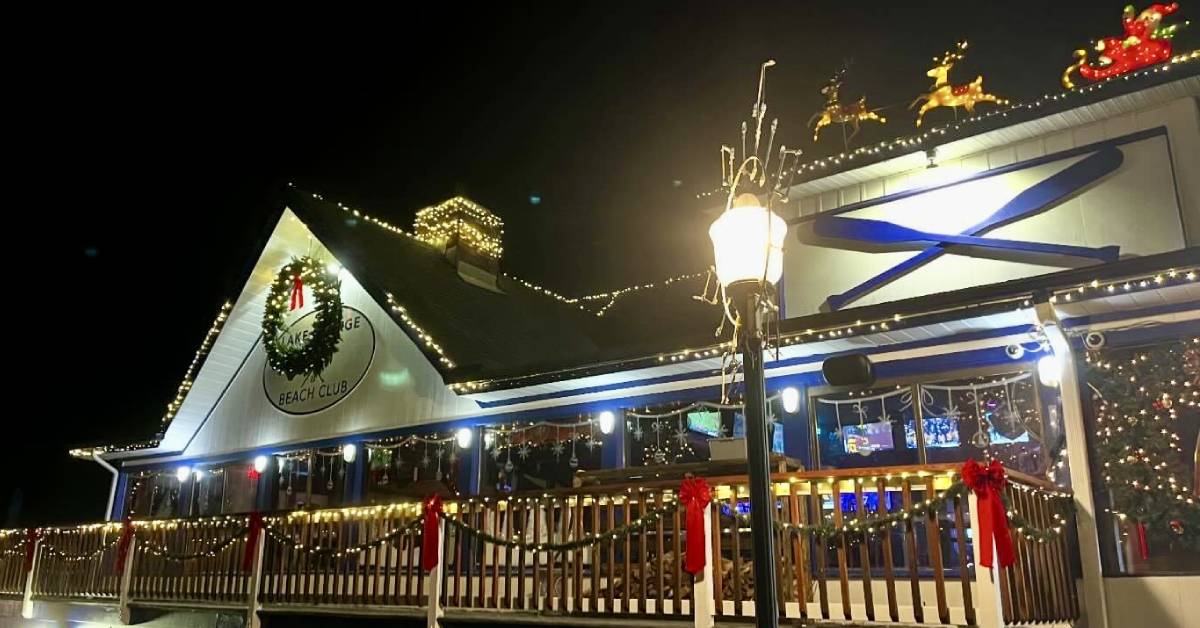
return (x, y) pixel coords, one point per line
(748, 242)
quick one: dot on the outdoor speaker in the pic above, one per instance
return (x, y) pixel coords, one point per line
(848, 370)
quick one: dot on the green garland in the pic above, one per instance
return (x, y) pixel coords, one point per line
(54, 552)
(314, 356)
(589, 540)
(281, 538)
(217, 547)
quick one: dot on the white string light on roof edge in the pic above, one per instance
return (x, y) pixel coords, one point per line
(918, 141)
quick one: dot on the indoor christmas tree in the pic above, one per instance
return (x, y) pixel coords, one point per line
(1143, 400)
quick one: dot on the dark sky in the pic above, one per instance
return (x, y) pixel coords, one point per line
(159, 141)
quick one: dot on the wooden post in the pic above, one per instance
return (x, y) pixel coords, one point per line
(253, 605)
(127, 580)
(27, 599)
(435, 583)
(988, 611)
(702, 591)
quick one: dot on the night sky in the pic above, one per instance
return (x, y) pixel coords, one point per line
(160, 142)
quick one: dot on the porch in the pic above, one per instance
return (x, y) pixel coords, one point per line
(883, 546)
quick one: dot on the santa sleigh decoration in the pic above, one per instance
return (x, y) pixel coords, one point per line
(1146, 42)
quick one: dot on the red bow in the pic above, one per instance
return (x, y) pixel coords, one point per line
(123, 545)
(297, 293)
(695, 496)
(256, 525)
(988, 482)
(429, 538)
(31, 539)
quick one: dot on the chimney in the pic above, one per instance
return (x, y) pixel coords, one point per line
(468, 235)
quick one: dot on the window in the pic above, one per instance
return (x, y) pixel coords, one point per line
(410, 467)
(992, 416)
(540, 456)
(871, 428)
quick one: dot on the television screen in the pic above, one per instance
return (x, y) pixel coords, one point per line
(997, 438)
(705, 422)
(867, 438)
(910, 434)
(739, 425)
(777, 438)
(941, 432)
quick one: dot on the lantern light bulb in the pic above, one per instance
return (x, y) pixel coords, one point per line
(260, 464)
(463, 437)
(349, 452)
(791, 399)
(607, 421)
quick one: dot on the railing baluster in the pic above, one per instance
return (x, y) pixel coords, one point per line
(843, 567)
(963, 572)
(864, 551)
(735, 530)
(596, 551)
(659, 606)
(718, 589)
(912, 560)
(884, 508)
(799, 554)
(677, 589)
(933, 535)
(818, 516)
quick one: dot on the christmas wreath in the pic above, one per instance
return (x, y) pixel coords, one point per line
(291, 357)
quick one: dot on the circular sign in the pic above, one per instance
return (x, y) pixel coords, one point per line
(313, 393)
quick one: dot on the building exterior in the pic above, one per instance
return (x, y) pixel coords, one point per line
(554, 391)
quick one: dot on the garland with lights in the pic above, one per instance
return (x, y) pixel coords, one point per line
(287, 293)
(1138, 397)
(860, 530)
(649, 518)
(54, 552)
(279, 537)
(216, 546)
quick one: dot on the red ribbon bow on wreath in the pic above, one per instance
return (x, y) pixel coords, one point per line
(256, 526)
(31, 539)
(432, 529)
(695, 495)
(123, 545)
(297, 292)
(987, 482)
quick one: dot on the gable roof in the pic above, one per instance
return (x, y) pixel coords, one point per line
(522, 329)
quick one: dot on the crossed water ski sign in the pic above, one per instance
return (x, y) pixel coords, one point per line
(1034, 200)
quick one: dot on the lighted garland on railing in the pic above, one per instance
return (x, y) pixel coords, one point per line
(73, 558)
(217, 547)
(283, 539)
(587, 540)
(857, 530)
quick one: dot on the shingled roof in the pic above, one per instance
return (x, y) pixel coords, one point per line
(517, 330)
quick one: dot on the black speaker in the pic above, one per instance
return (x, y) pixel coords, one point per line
(849, 370)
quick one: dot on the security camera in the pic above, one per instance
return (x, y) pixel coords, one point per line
(1093, 340)
(1015, 352)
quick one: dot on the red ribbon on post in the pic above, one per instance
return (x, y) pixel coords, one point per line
(123, 544)
(695, 495)
(256, 526)
(297, 293)
(988, 482)
(432, 529)
(31, 539)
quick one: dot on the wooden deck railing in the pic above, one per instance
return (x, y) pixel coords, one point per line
(876, 545)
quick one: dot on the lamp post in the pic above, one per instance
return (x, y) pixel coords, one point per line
(748, 246)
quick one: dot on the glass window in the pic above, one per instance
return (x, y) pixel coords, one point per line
(679, 438)
(983, 417)
(153, 494)
(871, 428)
(409, 468)
(539, 457)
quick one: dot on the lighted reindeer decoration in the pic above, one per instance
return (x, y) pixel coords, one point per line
(944, 94)
(836, 112)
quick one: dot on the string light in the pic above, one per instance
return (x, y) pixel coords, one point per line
(918, 141)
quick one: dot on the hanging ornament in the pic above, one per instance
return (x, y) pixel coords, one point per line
(383, 479)
(524, 451)
(508, 463)
(496, 453)
(508, 466)
(329, 481)
(1146, 42)
(944, 94)
(592, 442)
(425, 459)
(557, 449)
(574, 461)
(660, 457)
(1177, 526)
(837, 113)
(637, 431)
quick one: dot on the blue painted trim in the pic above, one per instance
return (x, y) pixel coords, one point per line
(1083, 321)
(795, 431)
(118, 506)
(355, 474)
(1021, 165)
(613, 450)
(915, 344)
(1037, 198)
